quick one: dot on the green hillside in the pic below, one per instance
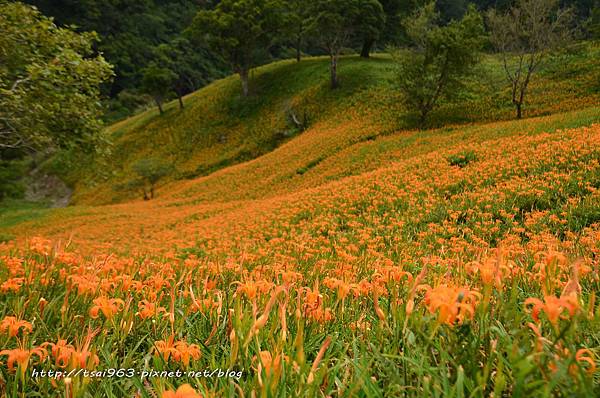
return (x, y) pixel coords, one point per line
(219, 128)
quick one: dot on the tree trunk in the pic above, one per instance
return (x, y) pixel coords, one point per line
(366, 48)
(333, 70)
(298, 48)
(179, 97)
(423, 118)
(519, 111)
(151, 191)
(244, 78)
(158, 102)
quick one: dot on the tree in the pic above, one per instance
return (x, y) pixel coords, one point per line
(332, 24)
(451, 9)
(438, 57)
(179, 57)
(369, 24)
(593, 23)
(239, 29)
(158, 83)
(393, 10)
(49, 83)
(296, 24)
(524, 36)
(150, 172)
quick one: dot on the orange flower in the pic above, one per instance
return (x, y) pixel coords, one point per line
(62, 352)
(180, 351)
(584, 355)
(12, 325)
(343, 288)
(21, 357)
(272, 366)
(13, 284)
(320, 315)
(185, 352)
(184, 391)
(82, 356)
(108, 307)
(249, 289)
(313, 298)
(40, 245)
(553, 307)
(166, 347)
(454, 304)
(149, 309)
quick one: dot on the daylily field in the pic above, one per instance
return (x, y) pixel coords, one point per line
(461, 261)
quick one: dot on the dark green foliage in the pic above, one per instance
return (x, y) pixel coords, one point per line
(310, 165)
(150, 172)
(130, 32)
(462, 159)
(592, 24)
(240, 30)
(11, 173)
(439, 57)
(183, 60)
(49, 83)
(369, 24)
(296, 25)
(451, 9)
(333, 24)
(125, 103)
(158, 83)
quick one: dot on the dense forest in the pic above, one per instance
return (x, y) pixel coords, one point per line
(139, 34)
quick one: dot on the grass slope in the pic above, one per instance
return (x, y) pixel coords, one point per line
(218, 128)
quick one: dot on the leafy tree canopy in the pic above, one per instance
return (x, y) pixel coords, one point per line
(49, 83)
(439, 56)
(239, 30)
(158, 83)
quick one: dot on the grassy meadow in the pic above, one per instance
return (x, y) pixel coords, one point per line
(360, 257)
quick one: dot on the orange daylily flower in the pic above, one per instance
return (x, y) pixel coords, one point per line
(149, 309)
(22, 356)
(184, 391)
(108, 307)
(553, 307)
(12, 325)
(454, 304)
(61, 351)
(166, 347)
(79, 357)
(185, 352)
(272, 365)
(40, 245)
(179, 351)
(585, 356)
(13, 284)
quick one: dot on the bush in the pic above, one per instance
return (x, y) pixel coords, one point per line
(150, 172)
(462, 159)
(11, 184)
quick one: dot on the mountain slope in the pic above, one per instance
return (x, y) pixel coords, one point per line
(218, 128)
(273, 191)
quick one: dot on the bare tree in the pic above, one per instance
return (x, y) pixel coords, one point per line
(524, 36)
